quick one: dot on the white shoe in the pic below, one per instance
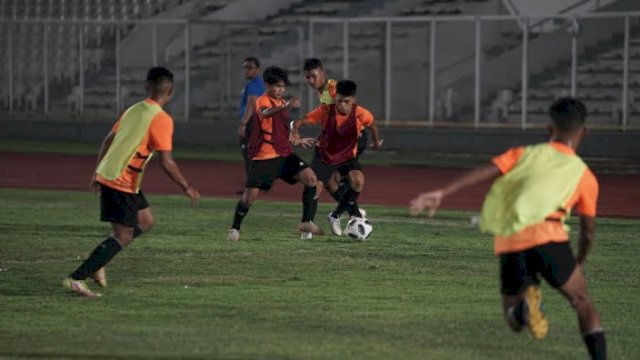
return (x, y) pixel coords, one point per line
(334, 224)
(362, 212)
(234, 235)
(306, 236)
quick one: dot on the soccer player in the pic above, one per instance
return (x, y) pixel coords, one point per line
(252, 89)
(341, 123)
(143, 129)
(272, 155)
(536, 188)
(325, 88)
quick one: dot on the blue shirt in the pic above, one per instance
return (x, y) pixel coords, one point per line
(253, 87)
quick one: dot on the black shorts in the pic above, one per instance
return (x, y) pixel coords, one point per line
(121, 207)
(262, 173)
(324, 171)
(553, 261)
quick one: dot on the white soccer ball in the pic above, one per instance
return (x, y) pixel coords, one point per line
(359, 229)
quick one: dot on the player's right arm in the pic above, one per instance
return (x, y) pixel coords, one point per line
(248, 112)
(314, 117)
(500, 164)
(104, 147)
(431, 199)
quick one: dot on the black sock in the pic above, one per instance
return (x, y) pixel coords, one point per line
(348, 203)
(596, 345)
(241, 212)
(342, 189)
(518, 313)
(309, 204)
(137, 231)
(102, 254)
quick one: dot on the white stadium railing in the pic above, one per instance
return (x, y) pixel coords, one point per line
(309, 38)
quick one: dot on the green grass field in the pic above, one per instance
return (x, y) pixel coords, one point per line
(420, 289)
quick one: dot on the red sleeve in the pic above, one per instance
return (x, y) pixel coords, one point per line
(588, 190)
(161, 132)
(507, 160)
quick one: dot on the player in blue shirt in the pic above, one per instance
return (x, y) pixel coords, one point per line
(252, 90)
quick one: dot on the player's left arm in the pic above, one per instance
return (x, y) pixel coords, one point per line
(588, 189)
(367, 121)
(377, 141)
(587, 237)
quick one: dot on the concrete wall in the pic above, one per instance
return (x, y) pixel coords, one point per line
(489, 141)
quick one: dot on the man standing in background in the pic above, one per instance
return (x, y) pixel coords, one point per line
(252, 89)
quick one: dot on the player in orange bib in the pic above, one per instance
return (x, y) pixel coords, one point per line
(143, 129)
(535, 189)
(272, 155)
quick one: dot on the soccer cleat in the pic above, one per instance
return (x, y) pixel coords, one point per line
(363, 213)
(79, 287)
(100, 277)
(538, 324)
(306, 236)
(234, 234)
(334, 223)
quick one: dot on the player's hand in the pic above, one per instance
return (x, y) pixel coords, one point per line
(94, 185)
(377, 145)
(242, 130)
(307, 143)
(294, 102)
(429, 200)
(193, 194)
(294, 137)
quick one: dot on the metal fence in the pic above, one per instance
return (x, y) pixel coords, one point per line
(465, 71)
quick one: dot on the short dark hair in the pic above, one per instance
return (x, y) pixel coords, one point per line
(159, 74)
(273, 75)
(568, 114)
(254, 60)
(346, 88)
(159, 80)
(312, 63)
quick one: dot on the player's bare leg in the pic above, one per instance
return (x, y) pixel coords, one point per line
(242, 208)
(309, 204)
(145, 221)
(349, 201)
(575, 290)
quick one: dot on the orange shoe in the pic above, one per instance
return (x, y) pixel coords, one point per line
(537, 322)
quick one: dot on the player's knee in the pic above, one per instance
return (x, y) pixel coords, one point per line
(357, 184)
(311, 180)
(579, 300)
(147, 223)
(124, 237)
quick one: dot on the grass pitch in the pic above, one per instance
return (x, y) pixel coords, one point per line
(420, 289)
